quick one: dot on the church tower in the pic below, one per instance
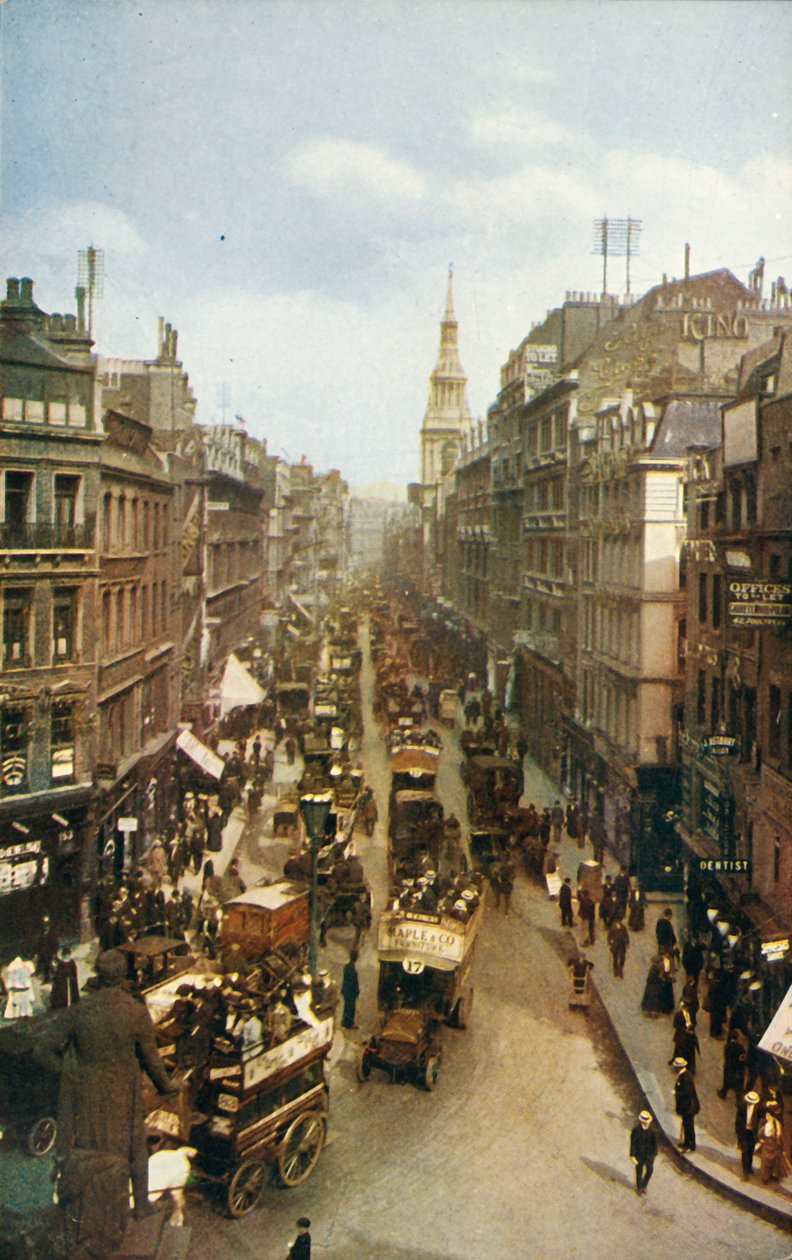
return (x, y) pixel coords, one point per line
(447, 419)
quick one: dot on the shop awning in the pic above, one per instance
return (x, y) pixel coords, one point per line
(301, 609)
(209, 762)
(238, 687)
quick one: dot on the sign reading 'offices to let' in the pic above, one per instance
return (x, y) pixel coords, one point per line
(759, 605)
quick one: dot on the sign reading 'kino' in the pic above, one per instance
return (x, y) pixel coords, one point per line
(759, 604)
(706, 325)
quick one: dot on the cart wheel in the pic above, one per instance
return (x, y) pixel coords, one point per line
(363, 1065)
(246, 1188)
(301, 1148)
(431, 1072)
(41, 1137)
(462, 1012)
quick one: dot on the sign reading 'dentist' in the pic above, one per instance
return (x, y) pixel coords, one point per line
(759, 604)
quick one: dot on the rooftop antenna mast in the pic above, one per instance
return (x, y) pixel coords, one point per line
(619, 238)
(90, 275)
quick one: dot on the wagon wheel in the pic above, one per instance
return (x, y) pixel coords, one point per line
(462, 1012)
(363, 1065)
(431, 1072)
(301, 1148)
(41, 1137)
(246, 1188)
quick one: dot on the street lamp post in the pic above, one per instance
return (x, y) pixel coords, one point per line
(315, 808)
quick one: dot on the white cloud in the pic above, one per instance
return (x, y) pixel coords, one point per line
(69, 226)
(517, 129)
(342, 170)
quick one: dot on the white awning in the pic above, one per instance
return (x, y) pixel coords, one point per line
(201, 755)
(300, 608)
(238, 687)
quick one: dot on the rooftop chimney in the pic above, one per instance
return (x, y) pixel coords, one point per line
(79, 293)
(687, 262)
(12, 291)
(26, 291)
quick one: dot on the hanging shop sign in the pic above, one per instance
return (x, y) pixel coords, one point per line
(127, 824)
(775, 951)
(725, 866)
(759, 605)
(719, 746)
(22, 866)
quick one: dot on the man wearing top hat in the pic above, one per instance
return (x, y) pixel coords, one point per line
(98, 1046)
(643, 1150)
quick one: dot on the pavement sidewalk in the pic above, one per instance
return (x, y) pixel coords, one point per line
(648, 1042)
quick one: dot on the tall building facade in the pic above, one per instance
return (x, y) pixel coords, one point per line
(49, 488)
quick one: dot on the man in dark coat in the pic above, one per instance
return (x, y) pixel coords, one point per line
(65, 982)
(686, 1104)
(666, 936)
(587, 913)
(747, 1122)
(96, 1048)
(46, 949)
(692, 958)
(643, 1150)
(735, 1057)
(618, 941)
(686, 1043)
(565, 903)
(301, 1247)
(350, 988)
(621, 892)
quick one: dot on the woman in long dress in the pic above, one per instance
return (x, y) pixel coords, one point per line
(770, 1148)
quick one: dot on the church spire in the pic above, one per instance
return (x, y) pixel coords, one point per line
(447, 417)
(450, 317)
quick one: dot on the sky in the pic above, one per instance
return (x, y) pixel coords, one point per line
(288, 183)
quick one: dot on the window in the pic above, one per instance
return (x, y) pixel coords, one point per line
(701, 699)
(64, 622)
(704, 511)
(702, 602)
(13, 748)
(715, 704)
(546, 435)
(18, 498)
(122, 523)
(146, 524)
(774, 721)
(62, 741)
(164, 607)
(66, 491)
(736, 504)
(107, 523)
(17, 616)
(107, 623)
(133, 615)
(717, 599)
(119, 637)
(145, 632)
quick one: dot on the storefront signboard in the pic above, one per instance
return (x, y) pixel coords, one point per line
(777, 1039)
(757, 605)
